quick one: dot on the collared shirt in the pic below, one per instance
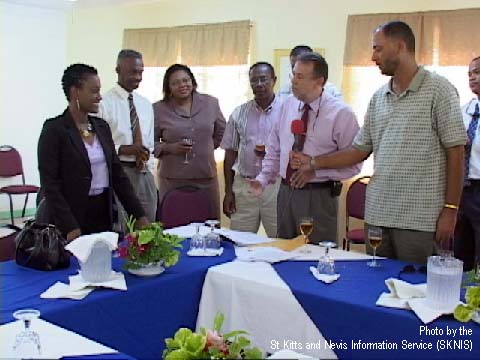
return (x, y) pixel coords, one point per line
(115, 109)
(204, 125)
(408, 134)
(249, 125)
(332, 125)
(98, 166)
(474, 165)
(329, 88)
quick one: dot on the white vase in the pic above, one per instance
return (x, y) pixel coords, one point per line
(152, 269)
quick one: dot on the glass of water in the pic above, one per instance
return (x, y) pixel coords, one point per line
(27, 342)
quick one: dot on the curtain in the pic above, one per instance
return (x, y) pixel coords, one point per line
(196, 45)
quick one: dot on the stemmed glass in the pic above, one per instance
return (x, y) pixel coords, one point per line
(197, 241)
(374, 239)
(326, 264)
(27, 342)
(212, 240)
(186, 141)
(260, 153)
(306, 227)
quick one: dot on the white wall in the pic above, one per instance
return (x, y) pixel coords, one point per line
(32, 59)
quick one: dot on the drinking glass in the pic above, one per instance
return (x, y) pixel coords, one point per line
(306, 227)
(260, 153)
(187, 142)
(374, 239)
(27, 342)
(326, 264)
(212, 240)
(197, 241)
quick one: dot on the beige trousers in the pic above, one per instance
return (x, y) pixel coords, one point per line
(251, 210)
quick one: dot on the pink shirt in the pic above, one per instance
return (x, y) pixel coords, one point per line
(248, 126)
(98, 166)
(332, 126)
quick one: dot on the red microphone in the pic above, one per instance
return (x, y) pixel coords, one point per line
(298, 130)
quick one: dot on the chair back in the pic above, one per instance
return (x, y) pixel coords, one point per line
(356, 198)
(184, 205)
(10, 161)
(7, 243)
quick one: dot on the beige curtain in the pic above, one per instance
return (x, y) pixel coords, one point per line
(196, 45)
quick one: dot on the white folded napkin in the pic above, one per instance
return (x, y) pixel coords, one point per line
(207, 252)
(79, 288)
(404, 295)
(266, 254)
(60, 290)
(328, 279)
(82, 246)
(116, 281)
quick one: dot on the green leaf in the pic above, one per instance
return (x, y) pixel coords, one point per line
(473, 297)
(234, 333)
(145, 236)
(182, 336)
(463, 313)
(253, 353)
(218, 322)
(172, 344)
(195, 344)
(180, 354)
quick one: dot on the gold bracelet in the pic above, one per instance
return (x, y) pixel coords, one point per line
(451, 206)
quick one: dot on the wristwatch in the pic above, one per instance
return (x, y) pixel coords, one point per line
(312, 163)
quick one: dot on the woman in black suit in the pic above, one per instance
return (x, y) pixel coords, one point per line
(78, 164)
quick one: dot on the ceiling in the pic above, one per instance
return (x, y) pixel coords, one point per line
(68, 4)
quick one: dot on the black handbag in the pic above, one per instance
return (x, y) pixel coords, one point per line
(41, 247)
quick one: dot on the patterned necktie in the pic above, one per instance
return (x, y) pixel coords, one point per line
(134, 121)
(306, 109)
(472, 130)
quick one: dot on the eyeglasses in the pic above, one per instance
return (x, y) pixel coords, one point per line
(411, 269)
(180, 82)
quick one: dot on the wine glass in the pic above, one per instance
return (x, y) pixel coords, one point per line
(197, 241)
(27, 342)
(374, 239)
(326, 264)
(260, 153)
(212, 240)
(306, 227)
(186, 141)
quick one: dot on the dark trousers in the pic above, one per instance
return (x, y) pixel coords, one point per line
(467, 233)
(318, 203)
(98, 219)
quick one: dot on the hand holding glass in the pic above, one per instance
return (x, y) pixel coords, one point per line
(187, 142)
(374, 239)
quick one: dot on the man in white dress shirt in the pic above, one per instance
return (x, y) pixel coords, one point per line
(467, 232)
(130, 117)
(296, 52)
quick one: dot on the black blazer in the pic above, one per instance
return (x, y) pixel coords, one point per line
(65, 172)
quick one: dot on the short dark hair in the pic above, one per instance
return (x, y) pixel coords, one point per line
(300, 49)
(128, 54)
(475, 59)
(75, 75)
(400, 31)
(166, 79)
(263, 63)
(320, 66)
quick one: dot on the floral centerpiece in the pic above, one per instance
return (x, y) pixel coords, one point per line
(149, 245)
(210, 344)
(470, 310)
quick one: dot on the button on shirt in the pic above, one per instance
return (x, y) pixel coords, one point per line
(474, 165)
(332, 126)
(408, 134)
(115, 109)
(249, 125)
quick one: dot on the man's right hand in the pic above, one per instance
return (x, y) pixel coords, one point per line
(132, 150)
(256, 188)
(72, 235)
(229, 204)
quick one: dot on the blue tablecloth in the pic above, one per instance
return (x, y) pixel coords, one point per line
(345, 312)
(134, 322)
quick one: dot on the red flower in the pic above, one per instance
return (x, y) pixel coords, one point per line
(123, 252)
(131, 239)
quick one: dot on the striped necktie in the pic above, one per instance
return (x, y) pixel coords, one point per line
(471, 131)
(134, 121)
